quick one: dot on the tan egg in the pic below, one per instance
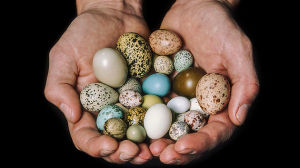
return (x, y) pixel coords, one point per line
(163, 64)
(213, 92)
(165, 42)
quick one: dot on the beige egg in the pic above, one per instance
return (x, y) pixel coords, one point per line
(213, 92)
(163, 64)
(165, 42)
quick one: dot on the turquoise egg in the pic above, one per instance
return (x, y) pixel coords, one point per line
(156, 84)
(108, 112)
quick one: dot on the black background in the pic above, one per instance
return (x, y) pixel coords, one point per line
(43, 137)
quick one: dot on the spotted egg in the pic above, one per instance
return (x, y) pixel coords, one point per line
(136, 115)
(178, 129)
(108, 112)
(137, 52)
(115, 127)
(183, 60)
(165, 42)
(130, 98)
(163, 64)
(95, 96)
(194, 119)
(131, 84)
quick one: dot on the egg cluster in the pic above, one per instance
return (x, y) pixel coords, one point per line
(132, 102)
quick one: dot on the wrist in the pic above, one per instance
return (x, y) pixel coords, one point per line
(127, 6)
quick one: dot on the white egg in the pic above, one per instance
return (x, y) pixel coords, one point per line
(195, 106)
(157, 121)
(179, 104)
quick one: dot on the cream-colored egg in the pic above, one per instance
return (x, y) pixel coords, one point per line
(157, 121)
(110, 67)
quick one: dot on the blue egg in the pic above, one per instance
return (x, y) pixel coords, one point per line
(156, 84)
(108, 112)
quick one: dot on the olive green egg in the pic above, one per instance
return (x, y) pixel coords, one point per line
(136, 133)
(135, 115)
(137, 53)
(115, 127)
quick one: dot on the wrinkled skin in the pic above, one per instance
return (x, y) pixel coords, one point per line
(218, 45)
(70, 69)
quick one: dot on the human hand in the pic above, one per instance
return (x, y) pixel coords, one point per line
(98, 25)
(218, 45)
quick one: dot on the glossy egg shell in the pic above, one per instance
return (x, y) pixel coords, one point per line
(185, 82)
(95, 96)
(150, 100)
(157, 84)
(157, 121)
(136, 133)
(110, 67)
(179, 104)
(108, 112)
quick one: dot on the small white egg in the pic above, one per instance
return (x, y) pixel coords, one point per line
(195, 106)
(179, 104)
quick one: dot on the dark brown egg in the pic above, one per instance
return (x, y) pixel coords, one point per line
(185, 82)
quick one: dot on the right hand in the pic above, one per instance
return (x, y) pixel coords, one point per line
(98, 25)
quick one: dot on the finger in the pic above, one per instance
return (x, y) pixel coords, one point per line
(127, 151)
(218, 129)
(157, 146)
(144, 155)
(170, 156)
(60, 83)
(87, 138)
(244, 80)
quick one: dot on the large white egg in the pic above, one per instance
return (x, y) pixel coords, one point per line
(179, 104)
(110, 67)
(157, 121)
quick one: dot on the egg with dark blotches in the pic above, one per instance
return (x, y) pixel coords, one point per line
(137, 53)
(178, 129)
(130, 98)
(115, 127)
(185, 82)
(136, 115)
(95, 96)
(108, 112)
(131, 84)
(213, 92)
(183, 59)
(165, 42)
(163, 64)
(195, 119)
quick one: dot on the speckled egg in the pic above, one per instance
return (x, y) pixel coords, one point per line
(183, 60)
(115, 127)
(136, 133)
(195, 106)
(195, 120)
(131, 84)
(165, 42)
(178, 129)
(130, 98)
(163, 64)
(95, 96)
(136, 115)
(108, 112)
(137, 52)
(213, 92)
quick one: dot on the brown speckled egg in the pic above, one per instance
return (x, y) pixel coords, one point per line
(136, 115)
(130, 98)
(163, 64)
(178, 129)
(213, 92)
(115, 127)
(137, 52)
(165, 42)
(95, 96)
(194, 119)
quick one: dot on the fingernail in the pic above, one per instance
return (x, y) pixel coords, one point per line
(192, 152)
(124, 157)
(67, 111)
(106, 152)
(242, 112)
(186, 150)
(176, 162)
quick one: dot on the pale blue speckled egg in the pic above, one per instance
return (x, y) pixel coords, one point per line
(108, 112)
(183, 60)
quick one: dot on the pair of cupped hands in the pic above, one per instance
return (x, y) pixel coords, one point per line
(208, 31)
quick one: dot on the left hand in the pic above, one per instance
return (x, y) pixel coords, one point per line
(218, 45)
